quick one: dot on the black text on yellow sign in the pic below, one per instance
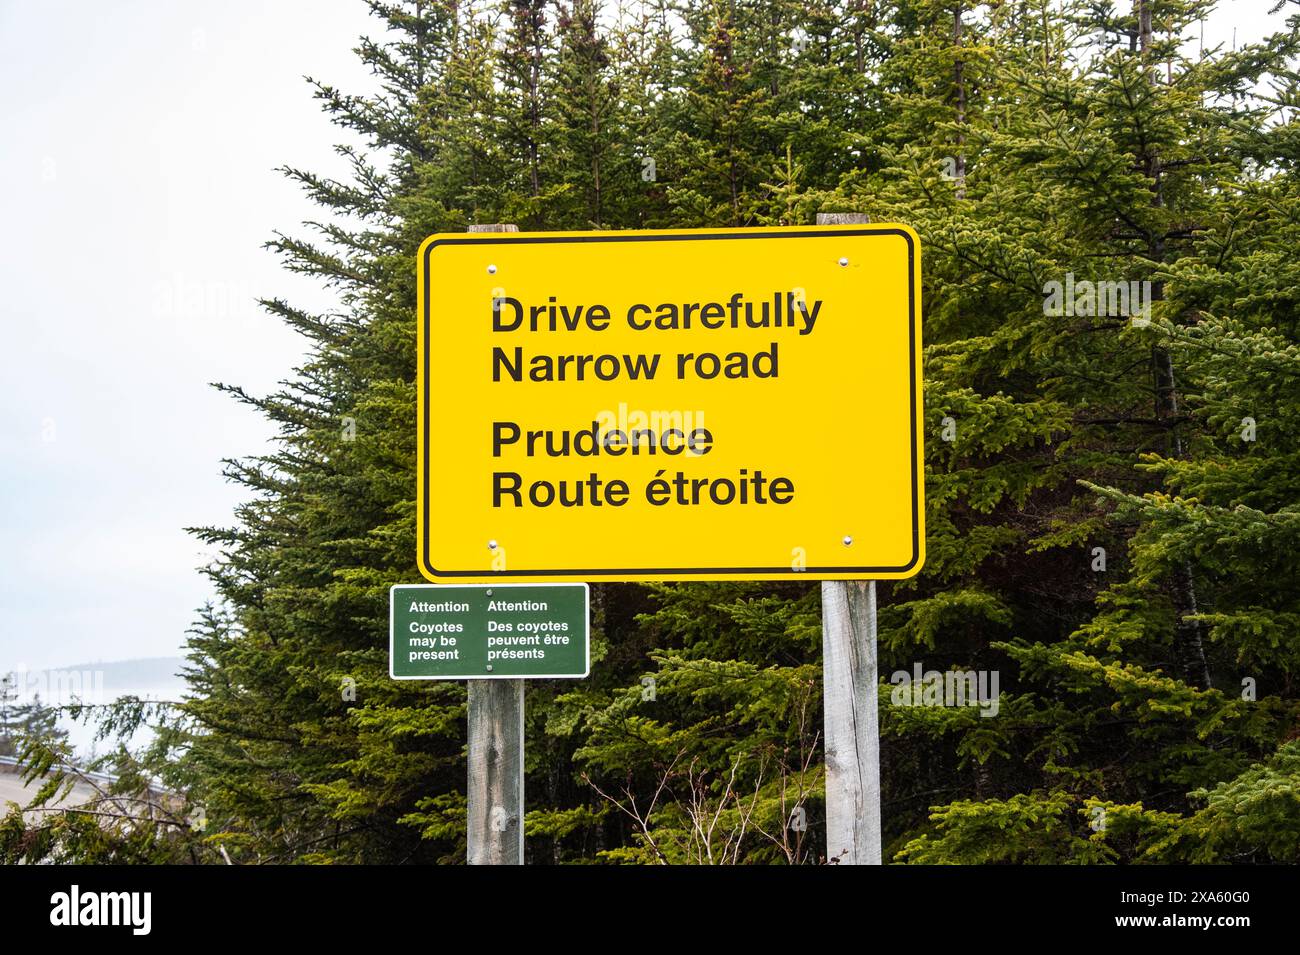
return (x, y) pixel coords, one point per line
(673, 405)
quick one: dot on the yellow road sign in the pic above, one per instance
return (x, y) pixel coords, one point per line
(711, 404)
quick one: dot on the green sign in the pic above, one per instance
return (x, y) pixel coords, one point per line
(486, 632)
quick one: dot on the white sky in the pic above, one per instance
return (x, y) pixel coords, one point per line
(137, 147)
(137, 159)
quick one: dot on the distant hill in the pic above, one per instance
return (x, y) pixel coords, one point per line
(153, 676)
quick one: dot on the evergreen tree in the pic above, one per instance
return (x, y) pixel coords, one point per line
(588, 138)
(1106, 171)
(11, 720)
(26, 723)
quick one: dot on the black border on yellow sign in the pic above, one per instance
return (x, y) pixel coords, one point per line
(668, 572)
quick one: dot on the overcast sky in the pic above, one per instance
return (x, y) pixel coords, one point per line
(139, 147)
(139, 142)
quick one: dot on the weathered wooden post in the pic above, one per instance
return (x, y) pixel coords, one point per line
(495, 823)
(495, 791)
(849, 688)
